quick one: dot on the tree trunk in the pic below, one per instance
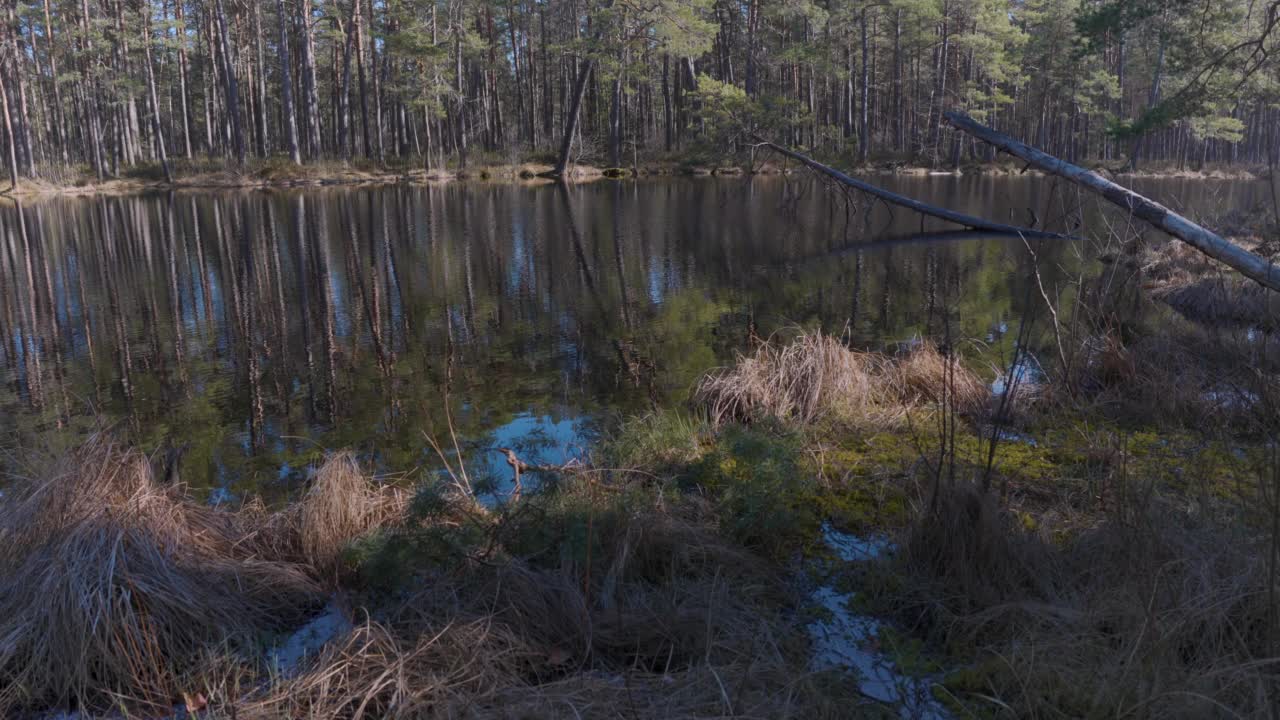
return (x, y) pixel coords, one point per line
(156, 128)
(181, 40)
(264, 141)
(1251, 266)
(286, 88)
(10, 138)
(571, 119)
(229, 82)
(951, 216)
(310, 96)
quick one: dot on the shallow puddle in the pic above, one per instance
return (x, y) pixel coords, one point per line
(848, 641)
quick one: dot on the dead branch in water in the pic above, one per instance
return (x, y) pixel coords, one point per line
(1215, 246)
(951, 216)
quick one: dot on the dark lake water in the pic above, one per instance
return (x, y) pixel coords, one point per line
(253, 330)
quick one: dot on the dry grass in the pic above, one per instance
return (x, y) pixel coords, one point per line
(816, 377)
(116, 587)
(1225, 301)
(340, 505)
(122, 594)
(1184, 376)
(926, 375)
(1151, 614)
(113, 584)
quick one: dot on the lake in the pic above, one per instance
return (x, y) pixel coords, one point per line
(250, 331)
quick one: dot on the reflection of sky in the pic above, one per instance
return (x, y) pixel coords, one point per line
(338, 301)
(537, 440)
(1027, 373)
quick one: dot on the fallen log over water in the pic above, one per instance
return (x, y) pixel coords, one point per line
(951, 216)
(1252, 266)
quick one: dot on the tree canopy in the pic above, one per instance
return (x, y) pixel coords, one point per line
(109, 87)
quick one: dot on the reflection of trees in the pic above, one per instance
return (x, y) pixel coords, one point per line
(240, 324)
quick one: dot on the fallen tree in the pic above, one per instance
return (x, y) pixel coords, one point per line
(969, 221)
(1252, 266)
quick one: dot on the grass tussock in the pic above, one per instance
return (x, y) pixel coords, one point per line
(1187, 377)
(927, 375)
(118, 588)
(1149, 614)
(816, 376)
(341, 505)
(582, 597)
(113, 585)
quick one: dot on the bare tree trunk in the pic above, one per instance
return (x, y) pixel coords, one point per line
(229, 80)
(1153, 99)
(571, 120)
(951, 216)
(310, 96)
(156, 128)
(264, 145)
(286, 88)
(182, 78)
(59, 119)
(8, 128)
(357, 19)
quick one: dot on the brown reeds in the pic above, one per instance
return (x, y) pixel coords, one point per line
(816, 376)
(113, 585)
(927, 375)
(121, 594)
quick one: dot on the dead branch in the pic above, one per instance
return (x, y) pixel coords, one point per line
(1215, 246)
(951, 216)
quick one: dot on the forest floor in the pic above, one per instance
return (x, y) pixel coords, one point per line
(278, 172)
(819, 533)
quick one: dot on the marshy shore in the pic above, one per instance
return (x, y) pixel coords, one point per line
(1096, 541)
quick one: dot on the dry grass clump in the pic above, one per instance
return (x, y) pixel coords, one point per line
(113, 585)
(816, 376)
(1220, 300)
(811, 377)
(383, 671)
(116, 590)
(340, 506)
(1184, 377)
(1152, 614)
(926, 375)
(969, 546)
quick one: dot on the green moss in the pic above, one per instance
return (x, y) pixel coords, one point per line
(763, 496)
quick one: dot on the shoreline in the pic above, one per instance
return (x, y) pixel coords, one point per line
(262, 177)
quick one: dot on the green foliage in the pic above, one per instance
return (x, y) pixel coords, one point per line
(661, 441)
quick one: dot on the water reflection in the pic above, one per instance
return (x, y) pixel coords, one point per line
(246, 331)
